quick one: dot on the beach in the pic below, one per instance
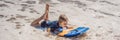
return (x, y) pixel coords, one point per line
(101, 16)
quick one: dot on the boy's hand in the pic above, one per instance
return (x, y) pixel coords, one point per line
(63, 33)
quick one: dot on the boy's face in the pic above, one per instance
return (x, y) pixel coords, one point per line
(63, 24)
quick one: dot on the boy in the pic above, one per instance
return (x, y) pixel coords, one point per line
(54, 26)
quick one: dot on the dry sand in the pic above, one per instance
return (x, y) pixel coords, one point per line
(101, 16)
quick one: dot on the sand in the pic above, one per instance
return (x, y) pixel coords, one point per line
(101, 16)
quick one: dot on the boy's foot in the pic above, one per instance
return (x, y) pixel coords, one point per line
(46, 12)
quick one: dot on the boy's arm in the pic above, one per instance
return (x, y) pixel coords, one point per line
(66, 31)
(63, 33)
(48, 30)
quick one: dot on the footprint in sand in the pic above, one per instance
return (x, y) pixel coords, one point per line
(3, 5)
(33, 11)
(98, 35)
(17, 22)
(11, 19)
(110, 31)
(30, 2)
(24, 7)
(99, 26)
(34, 30)
(6, 29)
(10, 2)
(99, 17)
(20, 16)
(18, 25)
(1, 16)
(44, 1)
(92, 0)
(28, 20)
(20, 32)
(117, 37)
(80, 4)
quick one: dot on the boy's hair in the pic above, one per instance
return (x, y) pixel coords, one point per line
(62, 18)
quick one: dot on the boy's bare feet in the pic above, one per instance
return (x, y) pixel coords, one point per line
(47, 7)
(46, 12)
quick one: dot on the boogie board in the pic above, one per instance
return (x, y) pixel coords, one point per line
(77, 31)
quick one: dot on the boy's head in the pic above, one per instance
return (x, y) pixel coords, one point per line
(63, 20)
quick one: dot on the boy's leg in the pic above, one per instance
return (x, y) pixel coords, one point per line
(44, 16)
(46, 12)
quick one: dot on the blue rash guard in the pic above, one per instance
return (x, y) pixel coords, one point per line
(53, 25)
